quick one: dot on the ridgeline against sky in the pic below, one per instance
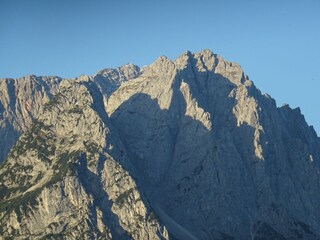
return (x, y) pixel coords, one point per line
(276, 42)
(180, 149)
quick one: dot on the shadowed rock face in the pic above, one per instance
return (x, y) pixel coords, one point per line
(183, 149)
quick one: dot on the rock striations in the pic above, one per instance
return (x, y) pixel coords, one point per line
(20, 102)
(183, 149)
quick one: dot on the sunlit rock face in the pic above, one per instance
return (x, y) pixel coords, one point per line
(20, 102)
(183, 149)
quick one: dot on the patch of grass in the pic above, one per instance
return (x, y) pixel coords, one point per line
(18, 175)
(76, 110)
(55, 100)
(50, 236)
(122, 198)
(63, 165)
(152, 217)
(91, 147)
(37, 139)
(20, 204)
(4, 191)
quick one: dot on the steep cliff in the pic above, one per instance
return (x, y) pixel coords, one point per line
(62, 179)
(22, 99)
(20, 102)
(183, 149)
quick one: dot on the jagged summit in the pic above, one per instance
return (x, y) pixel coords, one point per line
(128, 70)
(180, 149)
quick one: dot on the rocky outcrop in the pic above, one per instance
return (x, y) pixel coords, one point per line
(217, 154)
(61, 178)
(183, 149)
(22, 99)
(20, 102)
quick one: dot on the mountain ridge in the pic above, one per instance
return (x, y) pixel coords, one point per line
(191, 142)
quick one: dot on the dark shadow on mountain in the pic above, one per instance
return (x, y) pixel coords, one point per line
(151, 151)
(93, 186)
(169, 150)
(11, 93)
(150, 135)
(97, 97)
(10, 137)
(105, 85)
(180, 166)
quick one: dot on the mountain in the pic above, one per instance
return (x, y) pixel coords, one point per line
(183, 149)
(22, 99)
(20, 102)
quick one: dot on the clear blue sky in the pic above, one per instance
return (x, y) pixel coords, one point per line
(277, 42)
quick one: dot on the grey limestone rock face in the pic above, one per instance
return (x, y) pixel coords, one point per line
(183, 149)
(20, 102)
(61, 178)
(22, 99)
(218, 156)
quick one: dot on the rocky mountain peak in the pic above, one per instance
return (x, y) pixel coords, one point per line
(123, 73)
(65, 163)
(180, 149)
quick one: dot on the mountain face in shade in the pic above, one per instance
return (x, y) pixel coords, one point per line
(183, 149)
